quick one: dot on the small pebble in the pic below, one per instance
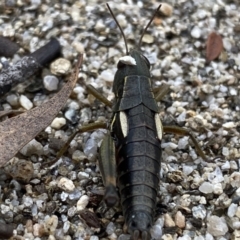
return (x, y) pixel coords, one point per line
(51, 224)
(206, 187)
(235, 179)
(180, 220)
(58, 122)
(107, 76)
(229, 125)
(225, 166)
(225, 151)
(33, 147)
(232, 210)
(38, 230)
(61, 66)
(217, 226)
(196, 32)
(78, 155)
(167, 237)
(217, 188)
(156, 231)
(82, 203)
(66, 184)
(199, 212)
(166, 9)
(25, 102)
(168, 221)
(22, 170)
(50, 83)
(12, 99)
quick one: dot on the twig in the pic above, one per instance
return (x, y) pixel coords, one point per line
(28, 66)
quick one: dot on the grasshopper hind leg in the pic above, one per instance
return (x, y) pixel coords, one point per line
(107, 165)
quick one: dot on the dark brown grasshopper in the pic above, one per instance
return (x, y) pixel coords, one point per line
(131, 152)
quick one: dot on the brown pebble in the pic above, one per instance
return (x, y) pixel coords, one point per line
(29, 226)
(38, 230)
(21, 170)
(166, 9)
(168, 221)
(180, 220)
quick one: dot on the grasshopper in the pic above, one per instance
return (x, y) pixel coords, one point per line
(130, 155)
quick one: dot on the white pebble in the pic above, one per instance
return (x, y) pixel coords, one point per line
(206, 187)
(94, 238)
(60, 66)
(57, 123)
(12, 99)
(225, 166)
(233, 165)
(196, 32)
(83, 175)
(82, 203)
(235, 179)
(232, 210)
(217, 226)
(66, 184)
(78, 155)
(201, 13)
(51, 224)
(217, 188)
(66, 226)
(69, 114)
(156, 231)
(225, 151)
(227, 44)
(107, 76)
(170, 145)
(33, 147)
(78, 46)
(187, 169)
(186, 237)
(183, 142)
(110, 228)
(199, 212)
(229, 125)
(50, 83)
(25, 102)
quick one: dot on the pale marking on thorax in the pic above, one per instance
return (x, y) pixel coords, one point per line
(128, 60)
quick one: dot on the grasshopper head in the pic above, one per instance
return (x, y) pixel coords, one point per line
(135, 63)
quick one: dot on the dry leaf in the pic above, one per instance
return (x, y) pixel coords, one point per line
(10, 112)
(16, 132)
(214, 46)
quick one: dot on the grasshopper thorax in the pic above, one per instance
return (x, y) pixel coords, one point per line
(135, 63)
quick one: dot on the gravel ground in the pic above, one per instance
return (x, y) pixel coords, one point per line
(200, 198)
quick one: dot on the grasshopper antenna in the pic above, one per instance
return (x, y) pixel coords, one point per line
(145, 29)
(125, 40)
